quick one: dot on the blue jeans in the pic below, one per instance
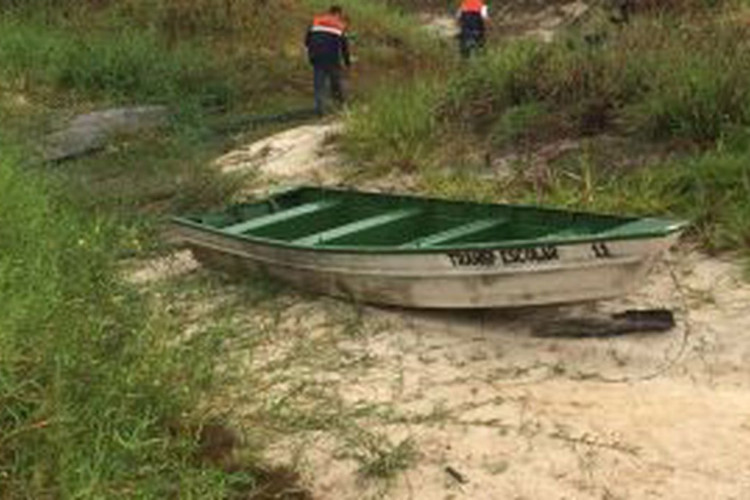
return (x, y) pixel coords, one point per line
(322, 74)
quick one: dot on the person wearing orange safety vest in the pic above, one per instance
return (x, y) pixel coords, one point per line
(472, 17)
(327, 49)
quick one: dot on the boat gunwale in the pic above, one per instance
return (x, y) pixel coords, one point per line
(392, 250)
(669, 227)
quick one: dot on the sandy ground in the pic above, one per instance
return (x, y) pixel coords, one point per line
(510, 414)
(299, 154)
(646, 416)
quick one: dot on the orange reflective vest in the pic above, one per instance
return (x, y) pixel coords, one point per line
(328, 23)
(472, 6)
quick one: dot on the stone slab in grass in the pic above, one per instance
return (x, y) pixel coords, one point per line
(90, 132)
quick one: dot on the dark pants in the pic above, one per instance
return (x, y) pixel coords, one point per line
(322, 74)
(470, 41)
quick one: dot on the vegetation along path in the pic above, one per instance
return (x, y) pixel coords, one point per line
(127, 370)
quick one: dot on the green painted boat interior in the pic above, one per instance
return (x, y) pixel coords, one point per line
(337, 219)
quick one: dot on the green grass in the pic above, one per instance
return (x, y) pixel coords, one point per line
(378, 457)
(164, 173)
(224, 53)
(96, 391)
(99, 390)
(123, 65)
(654, 80)
(397, 129)
(711, 190)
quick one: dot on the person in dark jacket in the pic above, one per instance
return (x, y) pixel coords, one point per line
(327, 49)
(472, 17)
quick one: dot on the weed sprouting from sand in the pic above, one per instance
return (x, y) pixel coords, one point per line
(377, 456)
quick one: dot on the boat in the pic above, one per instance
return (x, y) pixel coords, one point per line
(420, 252)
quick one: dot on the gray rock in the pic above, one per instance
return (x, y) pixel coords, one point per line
(90, 132)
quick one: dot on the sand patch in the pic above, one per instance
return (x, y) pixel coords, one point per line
(150, 271)
(300, 153)
(494, 412)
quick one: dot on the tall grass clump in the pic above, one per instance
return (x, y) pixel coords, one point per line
(657, 80)
(696, 84)
(711, 190)
(497, 82)
(95, 389)
(124, 64)
(396, 129)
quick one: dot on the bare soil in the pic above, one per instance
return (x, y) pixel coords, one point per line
(296, 155)
(491, 410)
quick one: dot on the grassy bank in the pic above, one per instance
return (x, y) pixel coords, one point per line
(99, 391)
(655, 80)
(676, 83)
(96, 393)
(216, 64)
(120, 66)
(239, 54)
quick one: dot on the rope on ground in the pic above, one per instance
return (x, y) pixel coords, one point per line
(552, 372)
(670, 361)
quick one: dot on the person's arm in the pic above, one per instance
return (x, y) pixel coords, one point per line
(307, 37)
(485, 13)
(345, 51)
